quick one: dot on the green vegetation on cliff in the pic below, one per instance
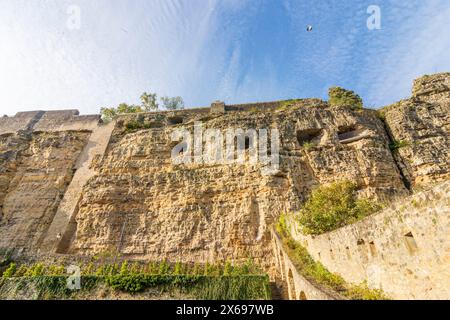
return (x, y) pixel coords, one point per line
(149, 102)
(316, 271)
(338, 96)
(198, 282)
(333, 206)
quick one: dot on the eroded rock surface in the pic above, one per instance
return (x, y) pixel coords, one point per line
(140, 203)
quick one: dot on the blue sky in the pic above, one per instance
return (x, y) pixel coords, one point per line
(205, 50)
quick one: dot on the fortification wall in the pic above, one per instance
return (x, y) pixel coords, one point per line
(298, 287)
(402, 250)
(69, 120)
(21, 121)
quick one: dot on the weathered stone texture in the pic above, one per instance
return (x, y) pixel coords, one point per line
(143, 205)
(128, 196)
(422, 125)
(402, 249)
(37, 170)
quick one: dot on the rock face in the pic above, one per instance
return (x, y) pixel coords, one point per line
(143, 205)
(36, 168)
(141, 202)
(421, 125)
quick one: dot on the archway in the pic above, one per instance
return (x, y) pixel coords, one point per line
(291, 285)
(302, 296)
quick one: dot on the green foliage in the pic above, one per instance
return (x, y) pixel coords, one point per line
(175, 103)
(317, 272)
(363, 292)
(56, 270)
(222, 282)
(178, 269)
(164, 267)
(287, 103)
(196, 269)
(135, 268)
(398, 144)
(233, 288)
(124, 268)
(10, 271)
(149, 102)
(227, 269)
(152, 268)
(21, 271)
(110, 113)
(307, 145)
(381, 114)
(309, 267)
(37, 269)
(281, 225)
(338, 96)
(333, 206)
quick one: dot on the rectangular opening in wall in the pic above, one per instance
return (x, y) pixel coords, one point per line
(411, 244)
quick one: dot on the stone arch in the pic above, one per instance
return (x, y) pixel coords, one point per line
(291, 285)
(302, 296)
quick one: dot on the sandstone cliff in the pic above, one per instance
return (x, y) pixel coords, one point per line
(137, 202)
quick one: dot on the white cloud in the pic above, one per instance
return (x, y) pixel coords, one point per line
(420, 47)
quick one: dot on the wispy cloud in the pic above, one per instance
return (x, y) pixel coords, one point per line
(205, 50)
(420, 46)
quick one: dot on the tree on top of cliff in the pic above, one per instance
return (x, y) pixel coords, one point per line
(149, 102)
(338, 96)
(174, 103)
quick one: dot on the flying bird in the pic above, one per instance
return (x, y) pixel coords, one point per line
(309, 28)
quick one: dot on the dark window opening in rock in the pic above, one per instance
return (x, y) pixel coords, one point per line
(360, 242)
(373, 249)
(411, 243)
(331, 254)
(347, 134)
(308, 135)
(155, 124)
(175, 120)
(247, 143)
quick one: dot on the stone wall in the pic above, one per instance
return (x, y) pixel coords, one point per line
(21, 121)
(298, 287)
(46, 121)
(402, 250)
